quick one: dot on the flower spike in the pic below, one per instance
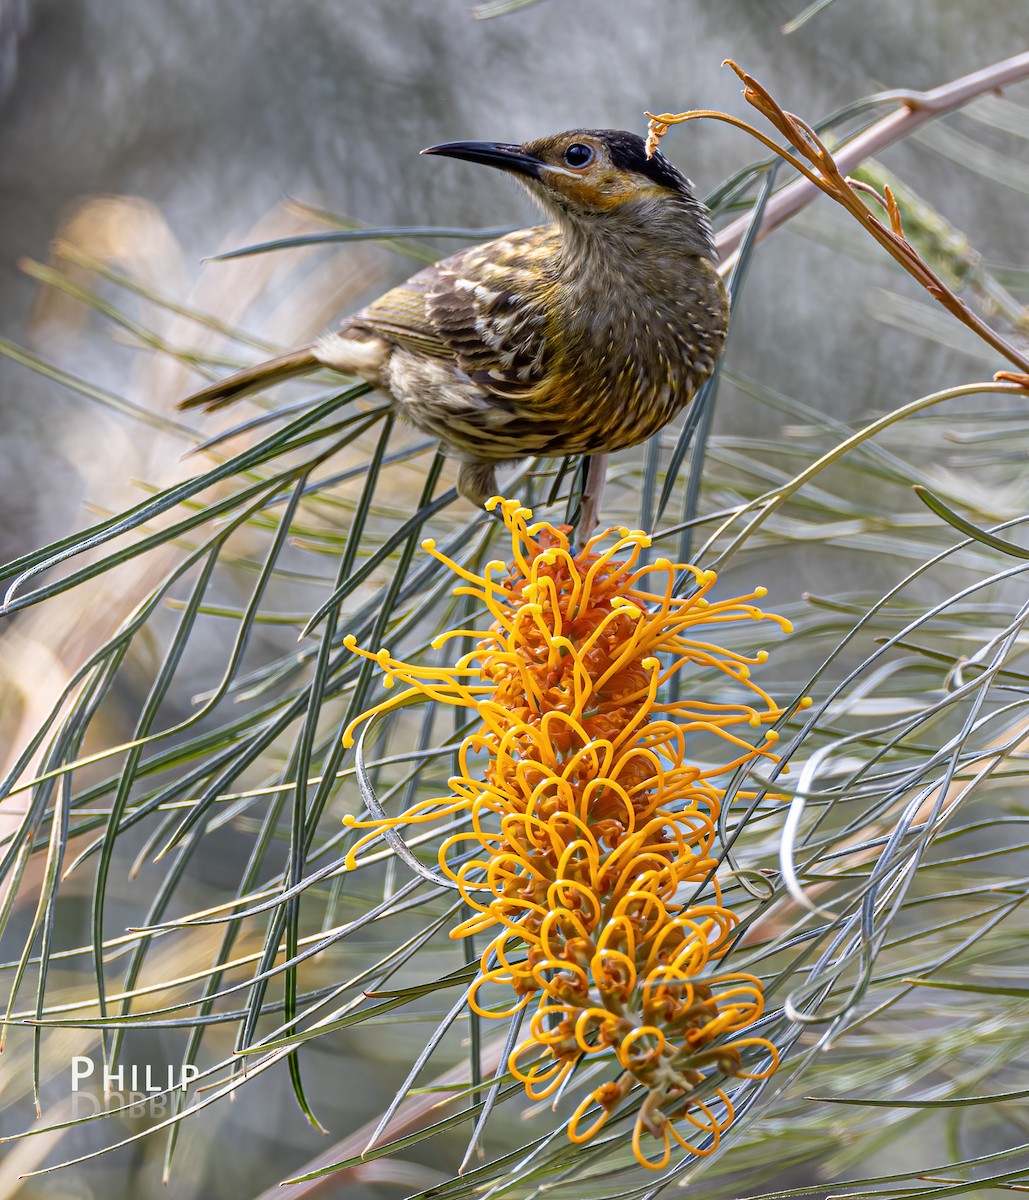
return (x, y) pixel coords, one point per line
(588, 823)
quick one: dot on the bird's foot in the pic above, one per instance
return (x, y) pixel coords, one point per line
(592, 496)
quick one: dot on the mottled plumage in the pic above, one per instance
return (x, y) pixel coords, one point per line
(583, 336)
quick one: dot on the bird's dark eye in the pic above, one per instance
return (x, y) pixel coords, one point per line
(578, 154)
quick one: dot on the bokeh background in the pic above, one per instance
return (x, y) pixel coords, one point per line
(152, 134)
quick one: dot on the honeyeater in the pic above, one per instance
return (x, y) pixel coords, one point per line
(584, 335)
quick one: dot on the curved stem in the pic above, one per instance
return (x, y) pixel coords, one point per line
(917, 109)
(826, 172)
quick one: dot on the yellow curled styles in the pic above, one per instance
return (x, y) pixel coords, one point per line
(587, 829)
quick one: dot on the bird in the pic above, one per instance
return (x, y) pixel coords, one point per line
(580, 336)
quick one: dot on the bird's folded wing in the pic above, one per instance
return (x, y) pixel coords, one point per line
(482, 307)
(402, 317)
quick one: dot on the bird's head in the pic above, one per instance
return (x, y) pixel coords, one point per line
(603, 179)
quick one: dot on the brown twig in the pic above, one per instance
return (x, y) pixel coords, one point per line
(824, 172)
(916, 109)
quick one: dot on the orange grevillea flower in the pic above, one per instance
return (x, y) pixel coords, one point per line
(588, 829)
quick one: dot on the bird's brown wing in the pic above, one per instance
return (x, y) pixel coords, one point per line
(401, 316)
(484, 307)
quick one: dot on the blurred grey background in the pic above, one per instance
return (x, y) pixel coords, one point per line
(213, 110)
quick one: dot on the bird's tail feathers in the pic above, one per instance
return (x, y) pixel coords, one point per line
(253, 379)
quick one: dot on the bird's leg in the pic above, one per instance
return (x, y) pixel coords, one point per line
(592, 495)
(477, 481)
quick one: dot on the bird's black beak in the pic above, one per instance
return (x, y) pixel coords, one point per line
(492, 154)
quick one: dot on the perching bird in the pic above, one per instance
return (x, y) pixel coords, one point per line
(582, 336)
